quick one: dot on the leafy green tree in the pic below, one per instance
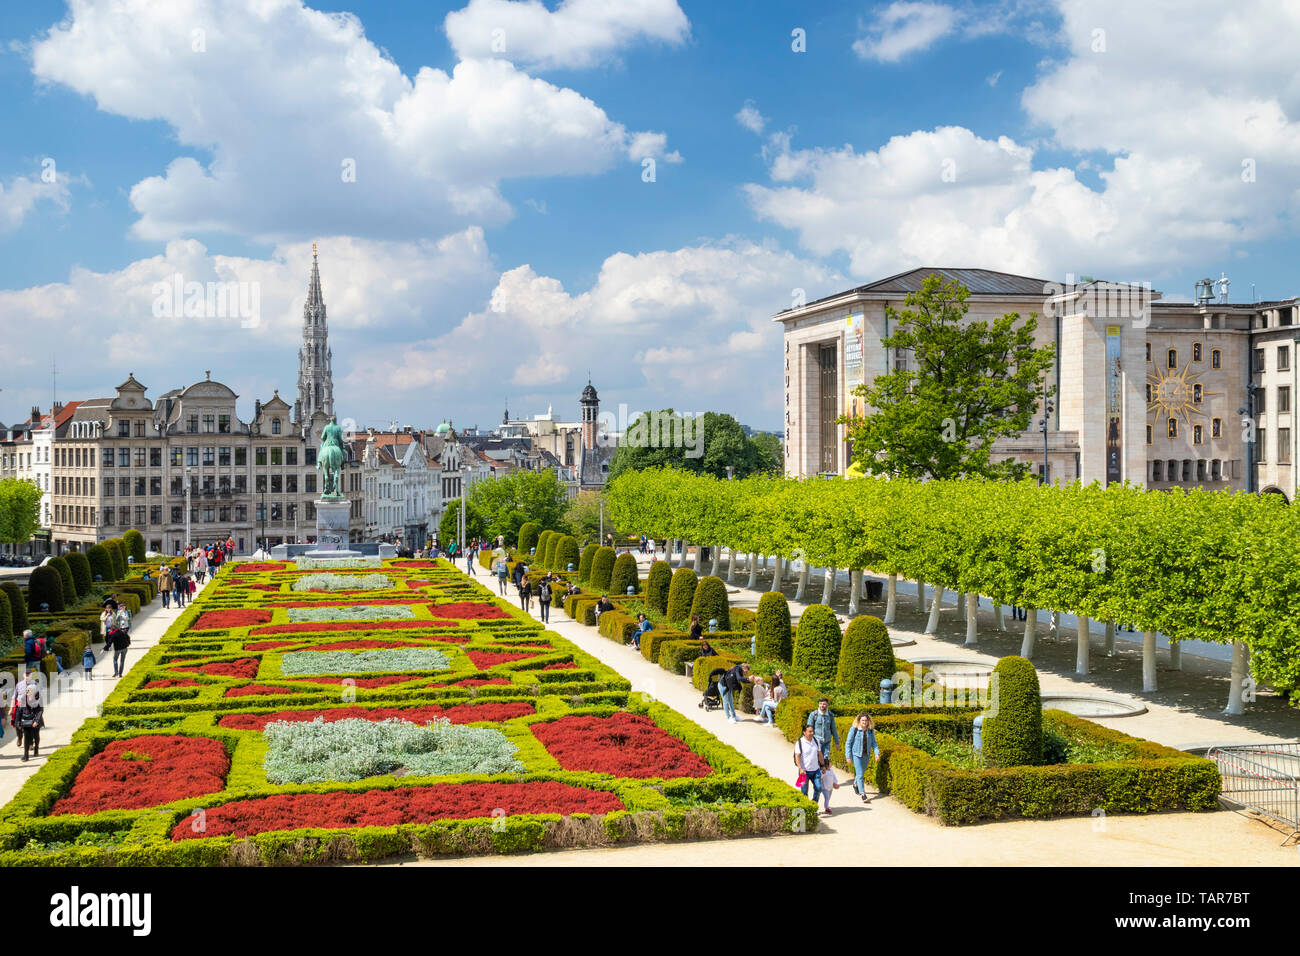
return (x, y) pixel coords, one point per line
(704, 445)
(968, 383)
(507, 502)
(20, 514)
(582, 517)
(449, 525)
(528, 532)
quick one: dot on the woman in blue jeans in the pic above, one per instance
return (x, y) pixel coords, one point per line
(728, 684)
(859, 747)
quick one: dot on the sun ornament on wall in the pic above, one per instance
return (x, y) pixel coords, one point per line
(1174, 394)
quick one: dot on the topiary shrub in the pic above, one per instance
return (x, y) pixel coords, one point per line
(1014, 737)
(81, 575)
(118, 555)
(17, 605)
(773, 637)
(584, 562)
(6, 621)
(552, 544)
(528, 532)
(656, 586)
(540, 555)
(45, 586)
(817, 642)
(624, 575)
(602, 569)
(133, 541)
(866, 654)
(60, 564)
(101, 562)
(681, 592)
(566, 553)
(710, 603)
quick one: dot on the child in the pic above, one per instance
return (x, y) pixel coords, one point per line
(829, 783)
(88, 660)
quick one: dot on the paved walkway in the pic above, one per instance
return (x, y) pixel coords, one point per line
(78, 699)
(885, 831)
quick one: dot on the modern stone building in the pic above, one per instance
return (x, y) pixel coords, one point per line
(1159, 394)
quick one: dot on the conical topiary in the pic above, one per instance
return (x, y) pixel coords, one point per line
(118, 555)
(133, 541)
(602, 568)
(772, 633)
(17, 605)
(44, 587)
(584, 562)
(817, 642)
(1013, 737)
(60, 564)
(101, 563)
(543, 539)
(866, 654)
(81, 575)
(624, 575)
(656, 586)
(681, 592)
(710, 603)
(566, 553)
(528, 532)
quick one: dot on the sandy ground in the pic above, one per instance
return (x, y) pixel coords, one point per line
(885, 830)
(66, 710)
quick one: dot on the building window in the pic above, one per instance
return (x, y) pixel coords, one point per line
(1216, 428)
(1157, 471)
(108, 458)
(123, 429)
(124, 487)
(1198, 434)
(291, 456)
(1149, 430)
(155, 486)
(176, 456)
(1148, 393)
(209, 455)
(241, 484)
(178, 514)
(259, 457)
(108, 517)
(1187, 469)
(139, 514)
(1284, 398)
(1173, 428)
(277, 458)
(277, 511)
(1262, 455)
(1216, 358)
(1196, 352)
(192, 424)
(223, 424)
(223, 514)
(192, 457)
(155, 514)
(108, 487)
(1259, 360)
(277, 485)
(140, 489)
(1283, 357)
(1284, 446)
(309, 456)
(309, 484)
(155, 457)
(124, 457)
(241, 457)
(309, 511)
(1200, 469)
(275, 426)
(259, 484)
(209, 514)
(176, 487)
(1171, 358)
(1216, 470)
(139, 457)
(209, 424)
(223, 456)
(1260, 403)
(1148, 351)
(241, 512)
(291, 484)
(291, 511)
(1198, 394)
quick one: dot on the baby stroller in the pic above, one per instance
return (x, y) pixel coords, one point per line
(712, 695)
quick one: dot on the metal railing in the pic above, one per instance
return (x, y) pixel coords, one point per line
(1264, 778)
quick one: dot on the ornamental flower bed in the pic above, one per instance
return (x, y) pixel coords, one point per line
(330, 627)
(255, 690)
(625, 745)
(396, 806)
(425, 659)
(469, 610)
(145, 772)
(385, 681)
(362, 613)
(233, 617)
(457, 714)
(246, 667)
(323, 581)
(168, 682)
(486, 659)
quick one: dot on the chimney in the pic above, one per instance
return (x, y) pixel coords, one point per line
(56, 408)
(36, 415)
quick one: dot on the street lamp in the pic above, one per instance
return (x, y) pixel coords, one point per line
(263, 546)
(1049, 407)
(188, 470)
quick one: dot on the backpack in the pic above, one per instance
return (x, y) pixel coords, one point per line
(40, 647)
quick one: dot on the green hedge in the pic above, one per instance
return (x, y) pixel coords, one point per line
(81, 575)
(528, 532)
(774, 638)
(710, 603)
(602, 568)
(624, 575)
(653, 639)
(617, 626)
(17, 605)
(117, 553)
(681, 592)
(817, 642)
(133, 542)
(567, 553)
(657, 582)
(65, 576)
(672, 654)
(45, 586)
(1014, 737)
(584, 562)
(101, 563)
(866, 654)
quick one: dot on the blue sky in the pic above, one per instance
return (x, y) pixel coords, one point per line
(499, 238)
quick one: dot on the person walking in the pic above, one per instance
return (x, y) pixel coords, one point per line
(544, 598)
(502, 573)
(165, 584)
(190, 587)
(829, 784)
(34, 649)
(809, 761)
(29, 714)
(119, 638)
(201, 566)
(469, 561)
(88, 661)
(822, 721)
(525, 592)
(859, 747)
(178, 588)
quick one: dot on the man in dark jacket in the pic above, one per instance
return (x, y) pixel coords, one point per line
(731, 682)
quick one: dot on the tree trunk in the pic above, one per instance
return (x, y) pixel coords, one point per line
(1110, 639)
(972, 619)
(1237, 680)
(961, 603)
(932, 626)
(855, 591)
(891, 600)
(920, 596)
(1148, 660)
(1175, 655)
(801, 592)
(753, 571)
(731, 566)
(776, 574)
(1081, 654)
(1027, 643)
(1056, 625)
(998, 623)
(828, 588)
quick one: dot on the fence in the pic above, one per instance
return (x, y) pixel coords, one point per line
(1264, 778)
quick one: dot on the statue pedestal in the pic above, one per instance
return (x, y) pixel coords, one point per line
(332, 530)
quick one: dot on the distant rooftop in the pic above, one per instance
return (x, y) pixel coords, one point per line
(978, 281)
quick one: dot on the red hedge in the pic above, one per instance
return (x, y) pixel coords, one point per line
(253, 568)
(232, 617)
(249, 690)
(177, 768)
(245, 667)
(623, 744)
(457, 714)
(485, 659)
(469, 610)
(371, 808)
(382, 681)
(313, 627)
(173, 682)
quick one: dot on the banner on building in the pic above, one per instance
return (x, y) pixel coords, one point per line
(854, 363)
(1114, 407)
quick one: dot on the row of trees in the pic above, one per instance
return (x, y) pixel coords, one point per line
(1211, 566)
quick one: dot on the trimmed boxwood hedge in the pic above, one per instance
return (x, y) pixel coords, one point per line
(624, 575)
(602, 568)
(584, 562)
(710, 603)
(133, 541)
(866, 654)
(45, 586)
(616, 625)
(657, 582)
(681, 592)
(6, 621)
(528, 532)
(543, 544)
(817, 642)
(101, 563)
(1014, 737)
(672, 654)
(81, 575)
(566, 553)
(118, 555)
(773, 637)
(60, 564)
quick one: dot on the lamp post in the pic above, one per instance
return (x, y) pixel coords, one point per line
(263, 545)
(1049, 407)
(187, 508)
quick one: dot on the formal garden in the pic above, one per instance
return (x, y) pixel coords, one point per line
(304, 715)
